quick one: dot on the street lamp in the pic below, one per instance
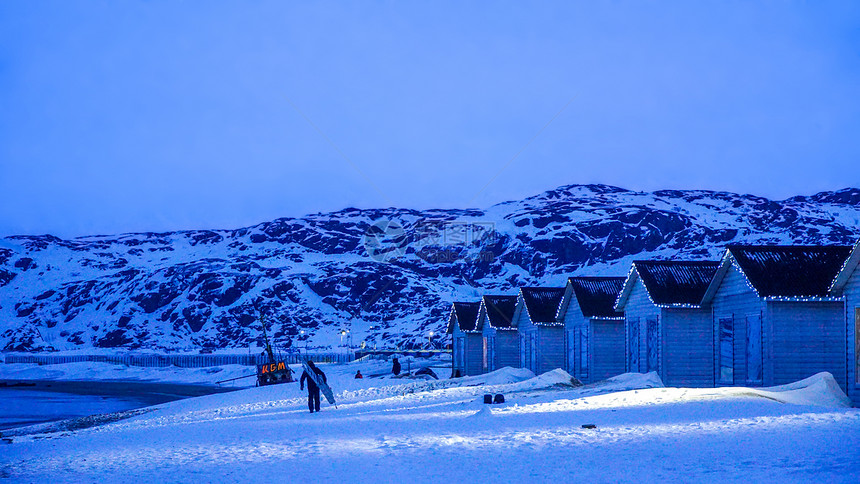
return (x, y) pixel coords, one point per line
(430, 339)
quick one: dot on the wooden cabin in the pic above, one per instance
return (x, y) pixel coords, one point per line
(847, 285)
(774, 320)
(501, 345)
(667, 328)
(540, 329)
(594, 330)
(467, 341)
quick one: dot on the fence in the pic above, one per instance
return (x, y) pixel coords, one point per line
(182, 361)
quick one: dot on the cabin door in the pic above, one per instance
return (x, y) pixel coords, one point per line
(485, 355)
(568, 350)
(857, 345)
(633, 345)
(652, 349)
(583, 352)
(754, 354)
(726, 351)
(461, 356)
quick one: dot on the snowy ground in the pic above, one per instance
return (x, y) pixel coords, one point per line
(391, 430)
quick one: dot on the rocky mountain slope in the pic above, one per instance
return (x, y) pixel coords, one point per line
(382, 277)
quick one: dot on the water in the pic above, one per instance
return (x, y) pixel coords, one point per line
(20, 407)
(59, 400)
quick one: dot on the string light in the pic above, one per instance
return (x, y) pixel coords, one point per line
(853, 259)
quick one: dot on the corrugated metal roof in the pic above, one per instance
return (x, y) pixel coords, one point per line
(542, 302)
(467, 315)
(500, 310)
(676, 282)
(596, 295)
(790, 270)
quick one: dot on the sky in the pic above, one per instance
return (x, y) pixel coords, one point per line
(165, 115)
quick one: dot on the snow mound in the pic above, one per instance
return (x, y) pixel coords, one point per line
(501, 376)
(633, 381)
(557, 378)
(818, 390)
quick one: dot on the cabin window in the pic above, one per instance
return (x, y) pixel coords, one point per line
(651, 340)
(633, 344)
(727, 351)
(583, 351)
(534, 352)
(754, 356)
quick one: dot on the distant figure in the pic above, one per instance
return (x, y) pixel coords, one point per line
(358, 375)
(395, 368)
(313, 389)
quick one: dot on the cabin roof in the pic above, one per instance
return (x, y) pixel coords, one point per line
(671, 283)
(851, 263)
(790, 270)
(597, 295)
(466, 315)
(500, 310)
(542, 303)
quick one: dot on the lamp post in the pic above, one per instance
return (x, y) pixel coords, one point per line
(430, 339)
(302, 337)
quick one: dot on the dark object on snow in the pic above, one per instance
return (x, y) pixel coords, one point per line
(456, 374)
(427, 371)
(589, 426)
(273, 371)
(358, 375)
(313, 388)
(488, 399)
(395, 367)
(499, 398)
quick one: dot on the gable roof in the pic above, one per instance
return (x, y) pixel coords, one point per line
(500, 311)
(780, 271)
(465, 314)
(596, 295)
(670, 283)
(542, 303)
(851, 263)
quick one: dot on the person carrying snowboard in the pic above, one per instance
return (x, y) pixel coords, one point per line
(313, 389)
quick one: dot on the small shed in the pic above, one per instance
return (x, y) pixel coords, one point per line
(540, 328)
(496, 322)
(594, 330)
(847, 285)
(667, 328)
(467, 340)
(774, 319)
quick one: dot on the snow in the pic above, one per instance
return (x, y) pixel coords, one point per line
(388, 429)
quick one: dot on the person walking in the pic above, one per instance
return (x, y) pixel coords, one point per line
(395, 367)
(313, 389)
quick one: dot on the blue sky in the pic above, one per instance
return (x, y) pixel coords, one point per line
(134, 116)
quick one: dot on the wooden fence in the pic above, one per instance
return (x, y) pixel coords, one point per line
(182, 361)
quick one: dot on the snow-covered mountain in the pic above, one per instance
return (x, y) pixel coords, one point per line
(386, 276)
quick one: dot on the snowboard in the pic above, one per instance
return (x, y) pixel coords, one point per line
(323, 386)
